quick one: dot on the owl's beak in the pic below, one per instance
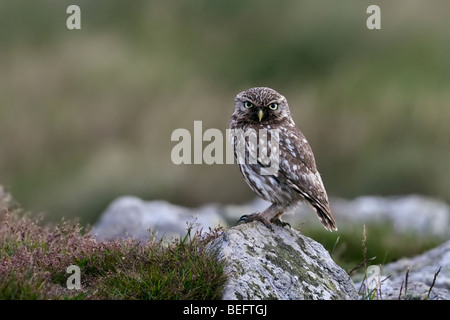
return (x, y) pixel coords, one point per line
(260, 114)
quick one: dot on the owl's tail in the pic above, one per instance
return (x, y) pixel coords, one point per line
(321, 207)
(325, 216)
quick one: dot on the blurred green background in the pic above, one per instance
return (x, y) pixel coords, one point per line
(87, 115)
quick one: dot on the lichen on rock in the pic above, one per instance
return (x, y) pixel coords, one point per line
(280, 264)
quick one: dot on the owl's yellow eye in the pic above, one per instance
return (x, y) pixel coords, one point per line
(273, 106)
(248, 104)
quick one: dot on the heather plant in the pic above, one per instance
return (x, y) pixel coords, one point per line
(34, 259)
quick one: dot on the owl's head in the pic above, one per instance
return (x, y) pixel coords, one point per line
(261, 105)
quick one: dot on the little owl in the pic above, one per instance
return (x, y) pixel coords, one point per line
(262, 114)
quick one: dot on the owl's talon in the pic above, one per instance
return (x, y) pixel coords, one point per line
(245, 217)
(255, 217)
(280, 222)
(242, 219)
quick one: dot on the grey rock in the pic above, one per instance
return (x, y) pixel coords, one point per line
(285, 264)
(394, 290)
(280, 264)
(422, 269)
(421, 274)
(130, 216)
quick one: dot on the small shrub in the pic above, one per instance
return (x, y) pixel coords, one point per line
(34, 258)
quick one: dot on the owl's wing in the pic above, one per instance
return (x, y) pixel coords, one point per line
(298, 168)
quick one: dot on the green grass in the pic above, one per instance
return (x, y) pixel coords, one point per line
(34, 259)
